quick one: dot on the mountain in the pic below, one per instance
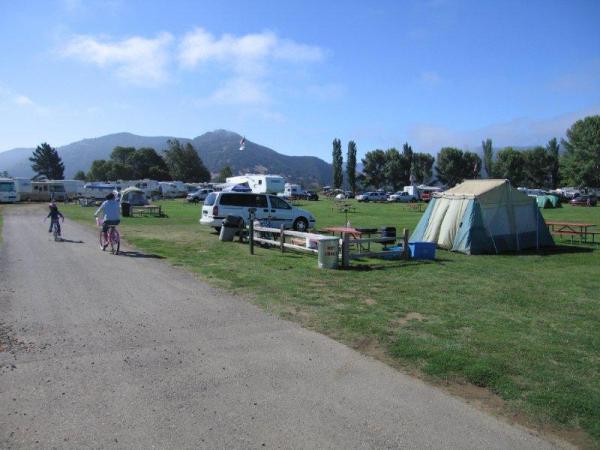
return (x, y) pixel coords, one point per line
(217, 149)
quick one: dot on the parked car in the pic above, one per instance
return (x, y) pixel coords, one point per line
(372, 197)
(311, 195)
(584, 200)
(403, 197)
(198, 195)
(276, 210)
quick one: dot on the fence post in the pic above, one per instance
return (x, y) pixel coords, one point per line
(251, 237)
(346, 251)
(281, 238)
(405, 255)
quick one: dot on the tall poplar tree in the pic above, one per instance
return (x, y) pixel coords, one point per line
(488, 157)
(338, 161)
(351, 166)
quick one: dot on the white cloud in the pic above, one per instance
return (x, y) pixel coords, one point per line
(137, 60)
(23, 100)
(517, 132)
(248, 62)
(430, 78)
(200, 46)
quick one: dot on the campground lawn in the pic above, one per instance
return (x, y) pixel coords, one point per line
(524, 327)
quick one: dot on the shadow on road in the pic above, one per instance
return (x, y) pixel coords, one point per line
(69, 241)
(139, 255)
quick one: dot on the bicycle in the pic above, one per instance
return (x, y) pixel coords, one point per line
(111, 237)
(55, 231)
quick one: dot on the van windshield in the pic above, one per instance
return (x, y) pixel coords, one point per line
(210, 199)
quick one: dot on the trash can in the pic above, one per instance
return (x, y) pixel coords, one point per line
(125, 209)
(231, 224)
(328, 249)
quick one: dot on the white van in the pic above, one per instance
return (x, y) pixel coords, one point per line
(8, 191)
(276, 210)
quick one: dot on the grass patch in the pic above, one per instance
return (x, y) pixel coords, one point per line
(524, 326)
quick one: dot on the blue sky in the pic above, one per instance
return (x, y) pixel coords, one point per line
(294, 75)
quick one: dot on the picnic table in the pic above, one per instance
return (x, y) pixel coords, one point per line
(573, 229)
(147, 210)
(357, 233)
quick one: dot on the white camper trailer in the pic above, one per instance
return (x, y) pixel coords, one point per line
(23, 187)
(8, 191)
(168, 189)
(73, 188)
(44, 191)
(98, 191)
(292, 190)
(260, 184)
(150, 187)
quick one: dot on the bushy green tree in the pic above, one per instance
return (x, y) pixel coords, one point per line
(99, 170)
(453, 166)
(374, 169)
(79, 175)
(536, 168)
(47, 162)
(351, 166)
(510, 164)
(581, 161)
(225, 173)
(394, 169)
(122, 155)
(422, 167)
(338, 162)
(147, 163)
(184, 163)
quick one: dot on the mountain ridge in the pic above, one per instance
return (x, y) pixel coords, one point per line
(217, 149)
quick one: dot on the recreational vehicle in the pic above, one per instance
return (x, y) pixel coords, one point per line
(44, 191)
(150, 187)
(73, 188)
(260, 184)
(168, 189)
(98, 191)
(292, 190)
(8, 191)
(23, 187)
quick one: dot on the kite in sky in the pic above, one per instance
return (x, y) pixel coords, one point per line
(243, 143)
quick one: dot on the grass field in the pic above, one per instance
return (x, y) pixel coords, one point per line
(524, 327)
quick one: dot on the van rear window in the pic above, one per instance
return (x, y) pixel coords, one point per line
(210, 199)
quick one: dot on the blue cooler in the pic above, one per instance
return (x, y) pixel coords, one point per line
(422, 250)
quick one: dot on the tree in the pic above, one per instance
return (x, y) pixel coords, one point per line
(122, 155)
(407, 161)
(552, 150)
(79, 175)
(351, 166)
(47, 162)
(453, 166)
(510, 164)
(488, 157)
(337, 161)
(394, 169)
(184, 163)
(374, 169)
(99, 170)
(225, 173)
(536, 169)
(147, 163)
(422, 167)
(582, 153)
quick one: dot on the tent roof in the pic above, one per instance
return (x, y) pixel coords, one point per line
(131, 189)
(473, 188)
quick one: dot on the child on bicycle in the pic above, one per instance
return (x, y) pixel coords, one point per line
(54, 215)
(112, 213)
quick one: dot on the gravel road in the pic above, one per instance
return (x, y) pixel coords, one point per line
(103, 351)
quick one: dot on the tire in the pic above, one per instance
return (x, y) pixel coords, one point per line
(217, 229)
(103, 244)
(300, 224)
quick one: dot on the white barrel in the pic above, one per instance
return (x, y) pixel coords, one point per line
(328, 252)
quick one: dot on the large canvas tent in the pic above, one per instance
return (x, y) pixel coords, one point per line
(483, 216)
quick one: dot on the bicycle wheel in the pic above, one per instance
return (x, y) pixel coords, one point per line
(55, 232)
(103, 243)
(115, 241)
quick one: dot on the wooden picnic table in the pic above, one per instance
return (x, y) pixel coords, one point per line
(573, 229)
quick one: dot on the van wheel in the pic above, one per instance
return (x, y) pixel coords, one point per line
(217, 229)
(300, 224)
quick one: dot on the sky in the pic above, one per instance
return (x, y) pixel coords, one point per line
(294, 75)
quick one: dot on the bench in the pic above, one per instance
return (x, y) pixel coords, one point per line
(415, 206)
(583, 235)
